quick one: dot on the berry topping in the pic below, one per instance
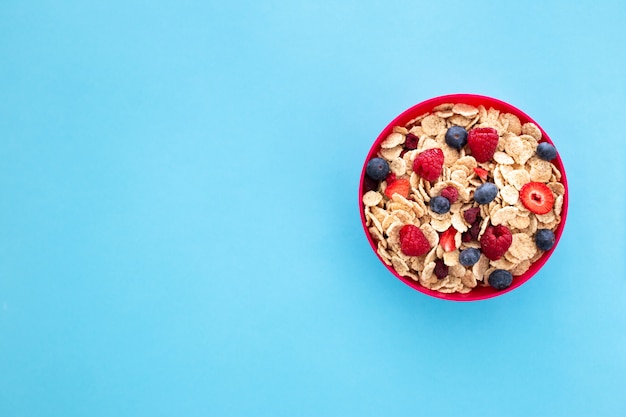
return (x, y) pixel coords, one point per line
(546, 151)
(440, 205)
(411, 141)
(412, 241)
(441, 269)
(401, 186)
(469, 257)
(474, 230)
(446, 240)
(429, 164)
(483, 142)
(544, 239)
(500, 279)
(377, 169)
(369, 184)
(456, 137)
(470, 215)
(496, 241)
(482, 173)
(451, 193)
(485, 193)
(537, 197)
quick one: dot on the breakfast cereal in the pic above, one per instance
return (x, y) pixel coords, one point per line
(494, 189)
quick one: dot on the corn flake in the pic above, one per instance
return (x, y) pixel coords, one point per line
(393, 140)
(532, 130)
(372, 198)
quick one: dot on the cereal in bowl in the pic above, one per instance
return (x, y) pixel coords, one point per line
(463, 196)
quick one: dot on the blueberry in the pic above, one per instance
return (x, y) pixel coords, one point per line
(469, 257)
(377, 169)
(500, 279)
(546, 151)
(485, 193)
(544, 239)
(440, 204)
(456, 137)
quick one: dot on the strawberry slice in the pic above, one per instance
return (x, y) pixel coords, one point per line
(482, 173)
(446, 240)
(537, 197)
(483, 142)
(401, 186)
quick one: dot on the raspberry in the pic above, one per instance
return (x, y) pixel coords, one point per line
(474, 230)
(429, 164)
(496, 241)
(451, 193)
(411, 141)
(441, 269)
(412, 241)
(369, 184)
(470, 215)
(483, 142)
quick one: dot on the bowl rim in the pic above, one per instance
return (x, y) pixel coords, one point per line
(427, 106)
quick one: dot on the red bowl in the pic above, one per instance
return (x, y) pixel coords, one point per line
(480, 292)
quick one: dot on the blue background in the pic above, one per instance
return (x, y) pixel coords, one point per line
(179, 221)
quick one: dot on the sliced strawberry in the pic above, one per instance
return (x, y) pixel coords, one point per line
(482, 173)
(401, 186)
(483, 142)
(537, 197)
(446, 240)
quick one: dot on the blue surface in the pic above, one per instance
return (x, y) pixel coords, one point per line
(179, 228)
